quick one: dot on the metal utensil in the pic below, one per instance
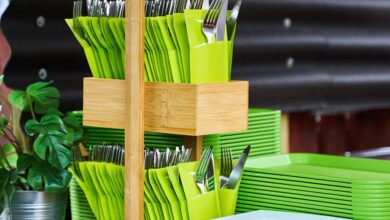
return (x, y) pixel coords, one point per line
(210, 178)
(238, 169)
(232, 20)
(226, 166)
(210, 21)
(202, 169)
(221, 23)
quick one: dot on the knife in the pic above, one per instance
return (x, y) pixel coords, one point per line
(221, 23)
(235, 175)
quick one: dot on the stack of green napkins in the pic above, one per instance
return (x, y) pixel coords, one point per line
(103, 186)
(176, 49)
(263, 134)
(351, 188)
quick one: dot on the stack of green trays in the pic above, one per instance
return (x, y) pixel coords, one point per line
(263, 134)
(79, 205)
(350, 188)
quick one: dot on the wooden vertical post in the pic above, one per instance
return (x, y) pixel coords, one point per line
(134, 119)
(196, 143)
(285, 136)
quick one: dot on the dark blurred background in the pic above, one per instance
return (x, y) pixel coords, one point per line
(324, 63)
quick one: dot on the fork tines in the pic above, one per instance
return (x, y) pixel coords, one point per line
(211, 19)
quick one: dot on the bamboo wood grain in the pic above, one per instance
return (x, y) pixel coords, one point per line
(185, 109)
(134, 110)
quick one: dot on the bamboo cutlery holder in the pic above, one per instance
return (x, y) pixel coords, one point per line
(185, 109)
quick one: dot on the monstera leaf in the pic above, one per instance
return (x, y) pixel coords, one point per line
(40, 95)
(42, 175)
(74, 128)
(50, 141)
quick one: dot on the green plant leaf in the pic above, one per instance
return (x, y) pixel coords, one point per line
(53, 111)
(19, 99)
(10, 155)
(43, 96)
(40, 95)
(74, 128)
(24, 161)
(42, 175)
(50, 140)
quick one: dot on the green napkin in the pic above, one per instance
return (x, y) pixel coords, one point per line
(163, 180)
(153, 61)
(160, 194)
(89, 53)
(227, 197)
(180, 29)
(200, 206)
(209, 62)
(152, 198)
(171, 51)
(90, 25)
(173, 173)
(175, 40)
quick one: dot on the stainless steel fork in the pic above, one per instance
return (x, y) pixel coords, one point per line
(202, 169)
(211, 19)
(226, 166)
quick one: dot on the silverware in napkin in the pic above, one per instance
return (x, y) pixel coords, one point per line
(235, 176)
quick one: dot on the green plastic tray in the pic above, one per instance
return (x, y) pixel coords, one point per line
(332, 168)
(321, 207)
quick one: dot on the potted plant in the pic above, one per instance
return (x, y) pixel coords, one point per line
(33, 165)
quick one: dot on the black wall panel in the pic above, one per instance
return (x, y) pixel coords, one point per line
(299, 55)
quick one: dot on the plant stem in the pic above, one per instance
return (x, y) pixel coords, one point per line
(31, 108)
(14, 140)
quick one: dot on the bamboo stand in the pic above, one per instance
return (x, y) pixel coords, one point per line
(134, 116)
(186, 109)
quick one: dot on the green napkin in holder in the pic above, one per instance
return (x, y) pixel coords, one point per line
(88, 50)
(209, 62)
(200, 207)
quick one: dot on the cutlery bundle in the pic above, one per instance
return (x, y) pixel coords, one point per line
(194, 191)
(186, 41)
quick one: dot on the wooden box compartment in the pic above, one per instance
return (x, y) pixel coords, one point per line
(185, 109)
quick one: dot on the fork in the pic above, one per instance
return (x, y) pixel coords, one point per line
(226, 166)
(210, 21)
(202, 169)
